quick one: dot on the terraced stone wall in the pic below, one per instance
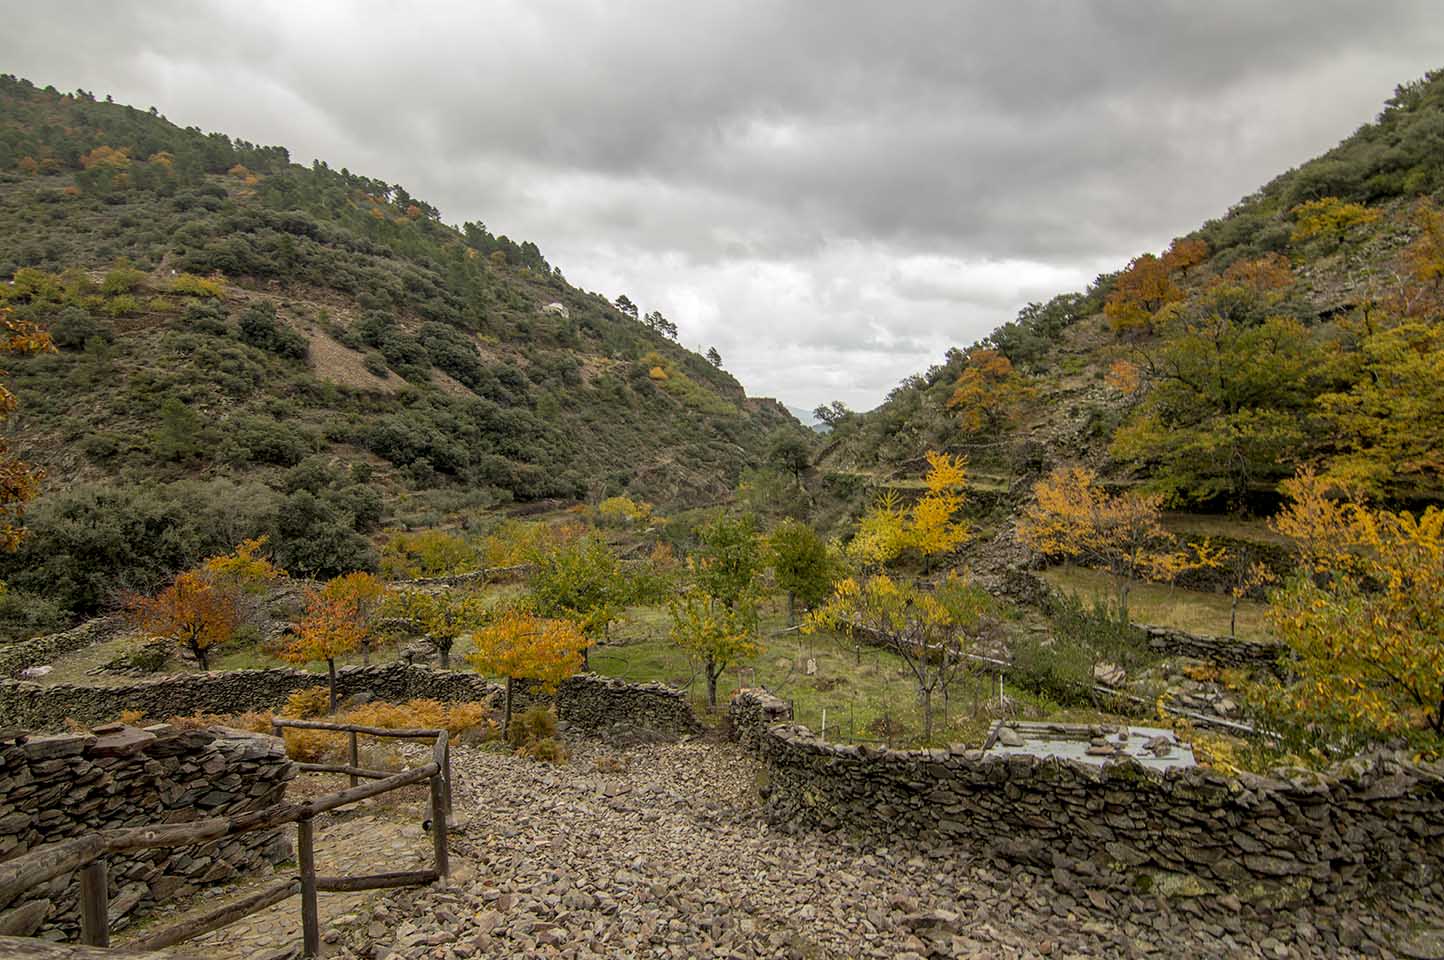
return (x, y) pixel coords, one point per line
(1373, 825)
(56, 787)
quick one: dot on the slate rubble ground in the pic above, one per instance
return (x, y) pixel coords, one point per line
(661, 851)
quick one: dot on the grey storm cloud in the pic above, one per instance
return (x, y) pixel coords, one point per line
(832, 193)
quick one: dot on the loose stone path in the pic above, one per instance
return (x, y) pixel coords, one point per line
(661, 851)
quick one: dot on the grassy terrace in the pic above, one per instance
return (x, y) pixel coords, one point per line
(1167, 606)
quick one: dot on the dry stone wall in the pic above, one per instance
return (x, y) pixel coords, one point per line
(1373, 825)
(63, 786)
(587, 701)
(1225, 651)
(16, 657)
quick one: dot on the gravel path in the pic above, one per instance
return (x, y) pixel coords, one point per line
(661, 851)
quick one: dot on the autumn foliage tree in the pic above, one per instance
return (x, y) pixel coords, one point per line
(931, 630)
(335, 623)
(1073, 516)
(519, 645)
(443, 616)
(931, 526)
(1364, 616)
(989, 394)
(1141, 291)
(19, 481)
(583, 582)
(195, 612)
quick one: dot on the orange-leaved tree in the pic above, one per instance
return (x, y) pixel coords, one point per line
(335, 623)
(519, 645)
(195, 612)
(365, 593)
(990, 393)
(1365, 613)
(1141, 291)
(1073, 516)
(19, 481)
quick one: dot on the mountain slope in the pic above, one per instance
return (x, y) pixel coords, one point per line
(1301, 329)
(232, 322)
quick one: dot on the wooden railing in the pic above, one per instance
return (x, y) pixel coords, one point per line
(88, 853)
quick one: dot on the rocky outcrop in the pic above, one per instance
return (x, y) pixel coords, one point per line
(56, 787)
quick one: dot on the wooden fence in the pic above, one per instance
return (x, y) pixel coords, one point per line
(88, 853)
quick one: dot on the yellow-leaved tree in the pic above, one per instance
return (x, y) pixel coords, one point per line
(930, 526)
(519, 645)
(1365, 614)
(1073, 516)
(932, 630)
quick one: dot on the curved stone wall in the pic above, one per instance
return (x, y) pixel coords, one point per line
(1375, 823)
(52, 788)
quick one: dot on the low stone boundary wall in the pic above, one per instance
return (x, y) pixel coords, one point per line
(588, 701)
(15, 657)
(1372, 824)
(592, 702)
(52, 788)
(1225, 651)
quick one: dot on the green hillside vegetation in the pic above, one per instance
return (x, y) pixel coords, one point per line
(251, 346)
(1301, 329)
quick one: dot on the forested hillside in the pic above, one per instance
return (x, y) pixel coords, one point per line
(1301, 329)
(250, 346)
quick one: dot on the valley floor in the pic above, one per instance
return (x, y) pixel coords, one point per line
(662, 851)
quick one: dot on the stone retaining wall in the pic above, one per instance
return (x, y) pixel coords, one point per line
(1372, 825)
(63, 786)
(15, 657)
(587, 701)
(1225, 651)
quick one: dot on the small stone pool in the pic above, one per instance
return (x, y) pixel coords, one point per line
(1091, 743)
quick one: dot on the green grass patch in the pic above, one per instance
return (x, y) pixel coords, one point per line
(1189, 610)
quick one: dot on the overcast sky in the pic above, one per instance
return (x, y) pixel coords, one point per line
(831, 193)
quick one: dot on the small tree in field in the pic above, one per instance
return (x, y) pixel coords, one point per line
(1365, 613)
(718, 634)
(518, 645)
(442, 616)
(1073, 516)
(928, 629)
(801, 564)
(194, 611)
(334, 625)
(583, 582)
(364, 593)
(930, 526)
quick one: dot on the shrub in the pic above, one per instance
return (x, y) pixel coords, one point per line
(122, 306)
(307, 703)
(261, 329)
(190, 285)
(122, 279)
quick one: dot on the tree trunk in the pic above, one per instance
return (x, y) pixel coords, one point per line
(791, 608)
(202, 656)
(366, 652)
(1233, 620)
(331, 680)
(506, 711)
(712, 674)
(927, 714)
(586, 661)
(443, 647)
(1123, 620)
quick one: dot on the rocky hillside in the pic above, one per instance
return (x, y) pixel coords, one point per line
(1301, 328)
(247, 345)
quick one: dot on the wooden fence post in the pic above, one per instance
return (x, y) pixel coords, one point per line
(355, 757)
(447, 765)
(438, 824)
(306, 859)
(94, 905)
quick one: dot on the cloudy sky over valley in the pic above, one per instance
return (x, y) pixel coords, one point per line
(831, 193)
